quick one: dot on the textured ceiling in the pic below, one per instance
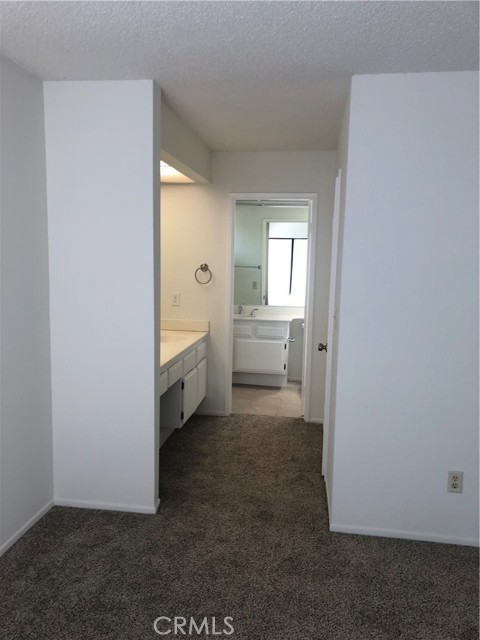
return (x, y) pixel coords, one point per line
(244, 75)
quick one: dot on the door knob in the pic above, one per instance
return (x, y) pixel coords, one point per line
(290, 339)
(322, 347)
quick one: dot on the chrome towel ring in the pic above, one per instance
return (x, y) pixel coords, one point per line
(204, 269)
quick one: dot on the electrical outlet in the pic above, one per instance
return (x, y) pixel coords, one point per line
(175, 298)
(455, 482)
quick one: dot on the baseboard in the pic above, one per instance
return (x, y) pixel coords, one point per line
(315, 421)
(404, 535)
(105, 506)
(33, 520)
(211, 413)
(327, 491)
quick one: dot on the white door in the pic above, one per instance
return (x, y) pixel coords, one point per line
(332, 319)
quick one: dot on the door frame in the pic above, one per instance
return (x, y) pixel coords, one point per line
(311, 198)
(332, 322)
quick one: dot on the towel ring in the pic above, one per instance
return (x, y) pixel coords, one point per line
(205, 269)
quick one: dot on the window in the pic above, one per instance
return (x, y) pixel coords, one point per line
(287, 263)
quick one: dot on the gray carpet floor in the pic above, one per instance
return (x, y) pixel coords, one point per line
(241, 532)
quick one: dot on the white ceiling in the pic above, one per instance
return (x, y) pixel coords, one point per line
(245, 75)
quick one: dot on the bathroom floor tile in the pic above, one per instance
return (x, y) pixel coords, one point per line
(268, 401)
(241, 405)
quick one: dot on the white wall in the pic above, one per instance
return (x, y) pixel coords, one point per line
(196, 227)
(26, 468)
(182, 148)
(407, 384)
(103, 197)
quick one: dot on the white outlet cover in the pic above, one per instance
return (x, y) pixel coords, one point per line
(455, 482)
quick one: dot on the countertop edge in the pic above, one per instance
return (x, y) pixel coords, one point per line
(184, 349)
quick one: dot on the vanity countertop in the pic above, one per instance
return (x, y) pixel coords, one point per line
(248, 317)
(175, 344)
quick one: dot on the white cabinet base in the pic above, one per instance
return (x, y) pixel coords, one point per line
(260, 379)
(183, 386)
(259, 356)
(260, 352)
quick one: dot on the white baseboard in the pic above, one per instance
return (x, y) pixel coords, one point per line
(329, 504)
(87, 504)
(33, 520)
(404, 535)
(314, 420)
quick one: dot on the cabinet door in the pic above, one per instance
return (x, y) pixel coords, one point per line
(259, 356)
(201, 380)
(190, 394)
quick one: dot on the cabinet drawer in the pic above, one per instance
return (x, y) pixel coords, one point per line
(242, 330)
(163, 382)
(175, 372)
(277, 331)
(201, 351)
(189, 361)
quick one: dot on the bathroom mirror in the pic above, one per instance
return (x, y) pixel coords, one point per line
(270, 266)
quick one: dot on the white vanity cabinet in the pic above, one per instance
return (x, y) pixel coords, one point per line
(194, 384)
(261, 347)
(183, 386)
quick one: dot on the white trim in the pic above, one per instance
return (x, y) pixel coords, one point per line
(23, 529)
(309, 298)
(329, 502)
(404, 535)
(314, 421)
(332, 319)
(308, 341)
(229, 311)
(87, 504)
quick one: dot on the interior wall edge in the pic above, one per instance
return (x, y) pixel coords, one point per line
(25, 527)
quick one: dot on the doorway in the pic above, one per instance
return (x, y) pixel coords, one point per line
(271, 304)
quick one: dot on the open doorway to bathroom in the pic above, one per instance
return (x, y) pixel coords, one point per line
(272, 262)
